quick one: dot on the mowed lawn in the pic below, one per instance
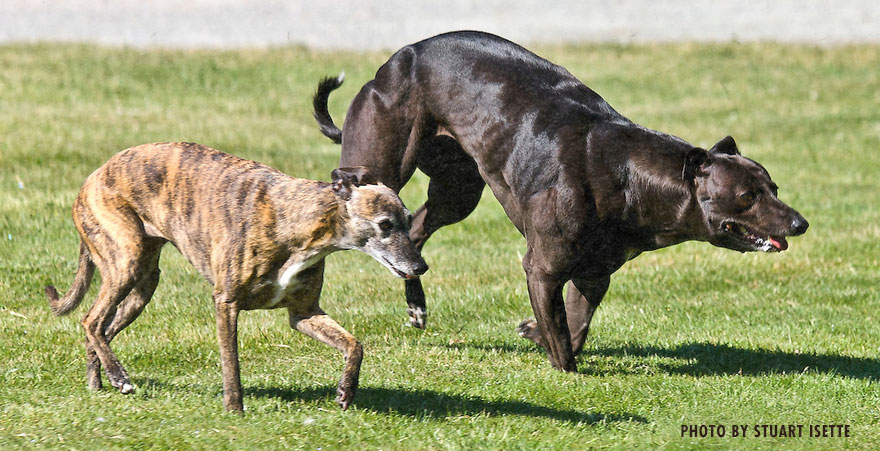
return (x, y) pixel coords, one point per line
(690, 335)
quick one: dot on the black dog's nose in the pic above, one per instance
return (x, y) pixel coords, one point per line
(420, 268)
(799, 225)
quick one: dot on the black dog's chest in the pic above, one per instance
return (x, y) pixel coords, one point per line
(603, 260)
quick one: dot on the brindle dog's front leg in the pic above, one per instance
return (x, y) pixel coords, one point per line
(323, 328)
(227, 335)
(545, 293)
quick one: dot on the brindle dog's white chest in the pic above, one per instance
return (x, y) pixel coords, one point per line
(287, 278)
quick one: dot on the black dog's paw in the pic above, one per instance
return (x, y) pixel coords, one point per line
(529, 329)
(417, 317)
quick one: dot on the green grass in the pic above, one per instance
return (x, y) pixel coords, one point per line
(686, 335)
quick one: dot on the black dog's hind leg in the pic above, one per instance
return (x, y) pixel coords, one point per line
(454, 191)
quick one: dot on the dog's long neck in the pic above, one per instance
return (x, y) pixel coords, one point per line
(310, 218)
(659, 202)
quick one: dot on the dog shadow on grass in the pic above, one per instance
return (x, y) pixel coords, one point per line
(709, 359)
(705, 359)
(400, 401)
(432, 404)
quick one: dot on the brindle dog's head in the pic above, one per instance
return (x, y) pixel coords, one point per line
(738, 201)
(378, 222)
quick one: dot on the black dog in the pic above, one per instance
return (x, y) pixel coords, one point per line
(588, 188)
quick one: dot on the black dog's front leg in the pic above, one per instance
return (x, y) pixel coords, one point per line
(415, 301)
(545, 294)
(580, 305)
(584, 297)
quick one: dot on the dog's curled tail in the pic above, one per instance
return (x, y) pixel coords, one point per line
(63, 306)
(319, 103)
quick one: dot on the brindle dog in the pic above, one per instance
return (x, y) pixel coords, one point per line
(257, 235)
(588, 188)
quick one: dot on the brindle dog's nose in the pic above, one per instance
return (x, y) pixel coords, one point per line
(799, 225)
(420, 268)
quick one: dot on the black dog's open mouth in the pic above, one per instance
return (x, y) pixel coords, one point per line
(756, 242)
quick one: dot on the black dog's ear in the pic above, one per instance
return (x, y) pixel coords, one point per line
(726, 146)
(695, 160)
(359, 175)
(345, 178)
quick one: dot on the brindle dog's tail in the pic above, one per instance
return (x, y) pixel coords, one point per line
(80, 286)
(319, 103)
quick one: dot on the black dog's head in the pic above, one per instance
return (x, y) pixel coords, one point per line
(738, 201)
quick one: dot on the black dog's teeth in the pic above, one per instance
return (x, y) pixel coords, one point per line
(761, 243)
(731, 227)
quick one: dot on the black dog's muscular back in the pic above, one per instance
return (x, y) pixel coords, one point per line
(491, 73)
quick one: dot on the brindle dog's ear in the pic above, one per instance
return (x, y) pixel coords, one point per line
(726, 146)
(695, 159)
(345, 178)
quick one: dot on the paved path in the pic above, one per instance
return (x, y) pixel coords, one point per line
(389, 24)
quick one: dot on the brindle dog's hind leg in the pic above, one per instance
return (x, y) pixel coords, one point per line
(126, 312)
(123, 255)
(453, 193)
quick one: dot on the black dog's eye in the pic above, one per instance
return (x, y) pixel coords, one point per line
(385, 226)
(746, 199)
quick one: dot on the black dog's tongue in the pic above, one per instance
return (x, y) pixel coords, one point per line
(779, 243)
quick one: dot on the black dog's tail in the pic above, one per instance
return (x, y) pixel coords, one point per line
(64, 305)
(322, 115)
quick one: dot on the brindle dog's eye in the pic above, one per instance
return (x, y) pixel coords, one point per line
(385, 226)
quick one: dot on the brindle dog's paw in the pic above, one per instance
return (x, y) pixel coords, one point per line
(121, 382)
(125, 387)
(344, 395)
(417, 317)
(529, 329)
